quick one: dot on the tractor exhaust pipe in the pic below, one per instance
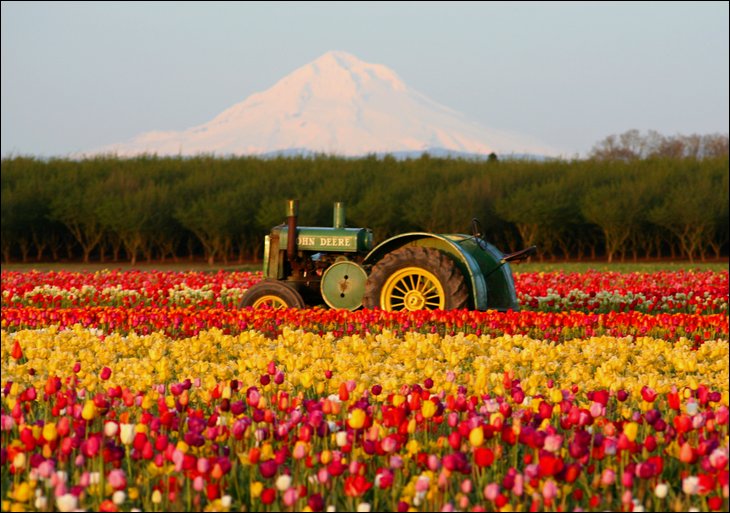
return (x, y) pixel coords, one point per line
(338, 215)
(292, 211)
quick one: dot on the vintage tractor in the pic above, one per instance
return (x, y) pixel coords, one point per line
(412, 271)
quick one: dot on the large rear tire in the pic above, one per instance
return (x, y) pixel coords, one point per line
(272, 294)
(416, 278)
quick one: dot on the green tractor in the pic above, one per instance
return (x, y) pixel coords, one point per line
(412, 271)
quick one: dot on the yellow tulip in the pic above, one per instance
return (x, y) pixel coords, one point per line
(631, 429)
(267, 452)
(476, 436)
(357, 418)
(411, 426)
(256, 488)
(147, 402)
(49, 431)
(413, 447)
(19, 461)
(325, 457)
(89, 411)
(23, 492)
(428, 409)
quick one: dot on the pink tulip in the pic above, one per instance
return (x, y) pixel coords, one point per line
(199, 484)
(549, 490)
(518, 488)
(719, 458)
(608, 477)
(290, 496)
(433, 462)
(466, 486)
(323, 475)
(389, 444)
(117, 479)
(597, 410)
(553, 443)
(491, 491)
(627, 479)
(203, 465)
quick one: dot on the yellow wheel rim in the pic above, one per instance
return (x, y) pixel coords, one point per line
(412, 288)
(270, 301)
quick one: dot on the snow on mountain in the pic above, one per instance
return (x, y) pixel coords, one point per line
(337, 105)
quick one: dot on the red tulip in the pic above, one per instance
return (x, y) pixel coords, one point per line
(17, 352)
(648, 394)
(108, 505)
(268, 495)
(268, 468)
(357, 485)
(550, 464)
(483, 456)
(682, 423)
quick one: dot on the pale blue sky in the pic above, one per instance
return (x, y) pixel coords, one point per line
(80, 75)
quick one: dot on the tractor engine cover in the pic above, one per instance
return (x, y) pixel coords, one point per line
(343, 285)
(333, 240)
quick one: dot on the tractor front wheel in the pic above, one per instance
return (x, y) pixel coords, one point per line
(416, 278)
(272, 294)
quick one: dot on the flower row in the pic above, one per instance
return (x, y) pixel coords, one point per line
(185, 322)
(310, 422)
(125, 288)
(674, 292)
(143, 362)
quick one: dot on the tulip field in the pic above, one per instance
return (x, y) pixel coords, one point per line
(154, 391)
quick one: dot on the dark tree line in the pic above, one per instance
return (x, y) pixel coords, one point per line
(108, 209)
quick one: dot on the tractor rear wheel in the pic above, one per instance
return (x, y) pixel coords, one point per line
(272, 294)
(416, 278)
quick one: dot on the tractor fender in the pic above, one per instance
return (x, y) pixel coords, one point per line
(466, 262)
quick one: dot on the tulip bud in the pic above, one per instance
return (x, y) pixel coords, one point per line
(19, 461)
(127, 433)
(49, 432)
(476, 436)
(17, 352)
(67, 502)
(428, 409)
(691, 485)
(110, 429)
(661, 490)
(491, 491)
(686, 453)
(89, 411)
(631, 429)
(357, 418)
(608, 476)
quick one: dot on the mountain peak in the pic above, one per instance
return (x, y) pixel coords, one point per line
(340, 68)
(338, 58)
(336, 104)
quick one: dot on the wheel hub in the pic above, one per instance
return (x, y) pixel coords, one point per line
(414, 300)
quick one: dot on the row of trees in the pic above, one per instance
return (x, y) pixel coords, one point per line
(633, 145)
(220, 208)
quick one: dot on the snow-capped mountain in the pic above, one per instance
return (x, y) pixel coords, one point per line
(337, 105)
